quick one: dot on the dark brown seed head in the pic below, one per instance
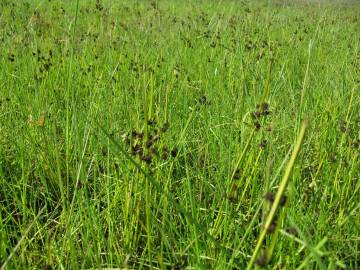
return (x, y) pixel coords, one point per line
(165, 127)
(237, 174)
(257, 125)
(264, 106)
(343, 127)
(174, 152)
(234, 187)
(262, 261)
(11, 57)
(255, 115)
(269, 196)
(164, 155)
(203, 100)
(137, 149)
(272, 227)
(262, 144)
(265, 113)
(79, 184)
(333, 158)
(146, 159)
(232, 197)
(182, 264)
(283, 200)
(292, 231)
(47, 267)
(154, 151)
(135, 134)
(17, 216)
(140, 152)
(268, 129)
(140, 135)
(127, 140)
(149, 143)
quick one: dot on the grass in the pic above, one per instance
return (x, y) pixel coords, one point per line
(158, 134)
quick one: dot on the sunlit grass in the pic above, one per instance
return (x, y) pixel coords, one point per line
(155, 134)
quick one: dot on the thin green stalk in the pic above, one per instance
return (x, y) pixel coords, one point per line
(67, 128)
(148, 105)
(201, 228)
(21, 239)
(69, 97)
(268, 79)
(279, 194)
(243, 153)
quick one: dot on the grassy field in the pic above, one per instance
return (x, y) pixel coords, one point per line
(179, 134)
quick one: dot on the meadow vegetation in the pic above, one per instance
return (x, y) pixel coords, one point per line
(156, 134)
